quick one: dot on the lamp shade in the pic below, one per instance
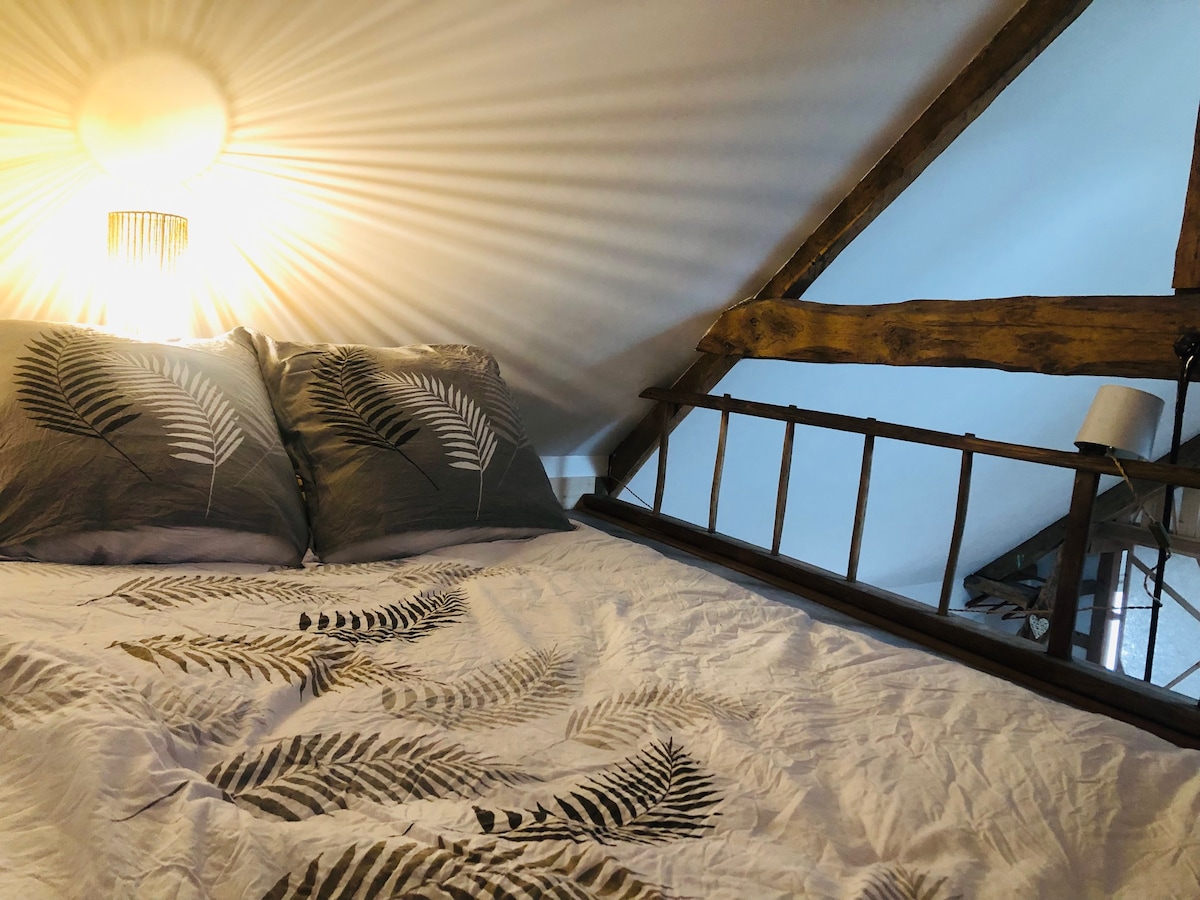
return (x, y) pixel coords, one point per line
(140, 238)
(1122, 421)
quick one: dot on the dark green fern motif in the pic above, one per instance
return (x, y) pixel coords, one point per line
(528, 686)
(661, 794)
(898, 883)
(624, 719)
(199, 718)
(349, 396)
(311, 663)
(408, 620)
(434, 574)
(167, 591)
(313, 774)
(393, 869)
(33, 687)
(65, 385)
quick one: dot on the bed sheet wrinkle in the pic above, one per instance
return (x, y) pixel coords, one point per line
(570, 704)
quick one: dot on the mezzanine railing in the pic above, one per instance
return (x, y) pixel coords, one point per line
(1049, 667)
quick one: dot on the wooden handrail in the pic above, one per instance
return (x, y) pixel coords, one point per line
(1180, 476)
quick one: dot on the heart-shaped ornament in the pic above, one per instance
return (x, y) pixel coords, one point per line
(1039, 625)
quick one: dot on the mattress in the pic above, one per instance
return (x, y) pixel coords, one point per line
(573, 715)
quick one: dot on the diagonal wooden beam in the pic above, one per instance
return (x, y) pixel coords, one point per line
(1187, 253)
(1015, 46)
(1118, 337)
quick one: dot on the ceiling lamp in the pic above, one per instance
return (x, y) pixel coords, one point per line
(153, 119)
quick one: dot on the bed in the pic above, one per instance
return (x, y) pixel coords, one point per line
(219, 702)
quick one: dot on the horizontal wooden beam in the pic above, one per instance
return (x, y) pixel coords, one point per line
(1187, 252)
(1120, 337)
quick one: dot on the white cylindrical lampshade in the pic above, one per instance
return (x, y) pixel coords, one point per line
(1122, 421)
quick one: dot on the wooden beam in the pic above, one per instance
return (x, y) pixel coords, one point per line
(1120, 337)
(1022, 596)
(1187, 253)
(1005, 56)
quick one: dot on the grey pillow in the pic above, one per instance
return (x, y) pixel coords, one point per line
(405, 449)
(121, 451)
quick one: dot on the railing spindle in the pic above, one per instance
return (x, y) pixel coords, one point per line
(860, 509)
(785, 472)
(960, 521)
(664, 424)
(718, 469)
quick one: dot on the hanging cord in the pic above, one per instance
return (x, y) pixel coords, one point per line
(1187, 347)
(624, 485)
(1156, 528)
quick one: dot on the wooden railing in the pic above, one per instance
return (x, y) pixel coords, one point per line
(1050, 668)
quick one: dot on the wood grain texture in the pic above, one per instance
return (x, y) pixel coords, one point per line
(1187, 252)
(1126, 337)
(1013, 48)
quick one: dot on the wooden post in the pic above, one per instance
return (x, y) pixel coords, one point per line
(1071, 558)
(785, 472)
(860, 509)
(718, 469)
(960, 521)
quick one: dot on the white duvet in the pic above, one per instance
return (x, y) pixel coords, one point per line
(573, 715)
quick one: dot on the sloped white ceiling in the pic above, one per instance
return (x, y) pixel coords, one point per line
(579, 186)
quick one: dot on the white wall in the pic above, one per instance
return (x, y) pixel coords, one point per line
(1072, 182)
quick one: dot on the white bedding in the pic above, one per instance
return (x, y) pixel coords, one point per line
(572, 715)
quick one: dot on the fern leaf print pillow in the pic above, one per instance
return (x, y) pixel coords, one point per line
(405, 449)
(119, 451)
